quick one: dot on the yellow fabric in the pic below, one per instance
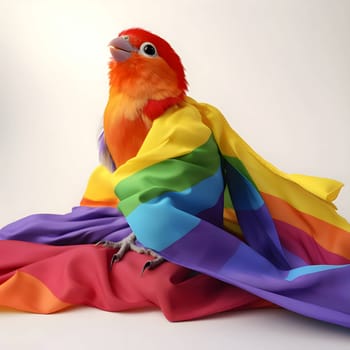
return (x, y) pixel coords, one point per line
(100, 187)
(172, 135)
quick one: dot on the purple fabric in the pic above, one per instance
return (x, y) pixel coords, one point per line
(304, 246)
(83, 225)
(260, 233)
(214, 214)
(200, 243)
(207, 249)
(322, 295)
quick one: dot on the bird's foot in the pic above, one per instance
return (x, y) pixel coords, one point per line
(123, 246)
(129, 243)
(152, 264)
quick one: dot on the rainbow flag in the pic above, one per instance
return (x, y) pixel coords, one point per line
(198, 195)
(49, 264)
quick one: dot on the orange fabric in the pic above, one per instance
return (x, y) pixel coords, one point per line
(90, 203)
(25, 292)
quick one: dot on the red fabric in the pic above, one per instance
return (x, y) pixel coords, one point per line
(81, 275)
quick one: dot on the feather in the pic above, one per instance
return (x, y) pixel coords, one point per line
(104, 154)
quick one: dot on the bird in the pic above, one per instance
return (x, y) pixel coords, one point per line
(195, 194)
(146, 77)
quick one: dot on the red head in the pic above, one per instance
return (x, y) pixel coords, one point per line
(144, 66)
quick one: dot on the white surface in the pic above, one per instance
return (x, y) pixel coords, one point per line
(279, 70)
(96, 329)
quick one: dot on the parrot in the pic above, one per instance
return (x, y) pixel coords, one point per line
(181, 169)
(146, 77)
(186, 189)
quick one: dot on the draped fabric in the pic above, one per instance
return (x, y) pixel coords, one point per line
(198, 195)
(50, 265)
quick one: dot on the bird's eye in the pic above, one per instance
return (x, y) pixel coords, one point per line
(148, 49)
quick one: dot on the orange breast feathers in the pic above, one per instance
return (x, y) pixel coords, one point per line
(137, 96)
(125, 128)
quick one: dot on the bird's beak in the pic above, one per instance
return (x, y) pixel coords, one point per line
(121, 49)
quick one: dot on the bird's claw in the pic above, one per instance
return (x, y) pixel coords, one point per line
(152, 264)
(128, 243)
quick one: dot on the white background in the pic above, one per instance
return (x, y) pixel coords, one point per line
(278, 69)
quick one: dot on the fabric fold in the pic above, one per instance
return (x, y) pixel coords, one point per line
(236, 233)
(260, 263)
